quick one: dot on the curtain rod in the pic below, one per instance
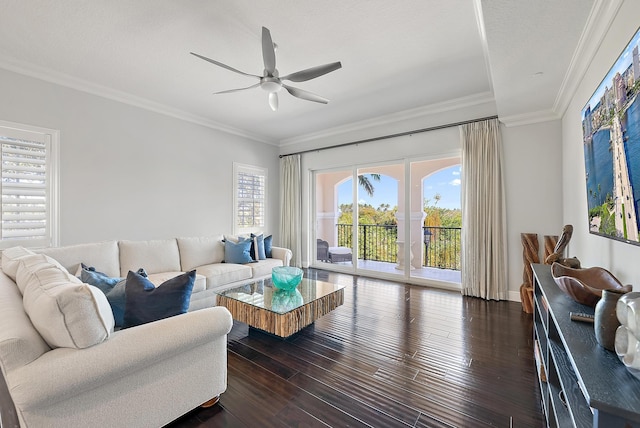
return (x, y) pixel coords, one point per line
(384, 137)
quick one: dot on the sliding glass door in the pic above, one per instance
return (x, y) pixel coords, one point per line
(380, 219)
(398, 220)
(359, 222)
(436, 219)
(334, 219)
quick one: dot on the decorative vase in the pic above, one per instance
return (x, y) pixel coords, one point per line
(628, 350)
(605, 318)
(622, 310)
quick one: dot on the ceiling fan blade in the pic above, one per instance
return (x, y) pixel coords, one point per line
(236, 90)
(305, 95)
(219, 64)
(313, 72)
(268, 52)
(273, 101)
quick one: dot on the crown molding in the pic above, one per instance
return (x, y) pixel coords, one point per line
(477, 8)
(598, 23)
(425, 111)
(529, 118)
(65, 80)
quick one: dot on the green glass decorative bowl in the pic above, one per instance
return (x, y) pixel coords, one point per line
(286, 277)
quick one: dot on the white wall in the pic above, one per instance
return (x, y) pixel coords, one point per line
(620, 258)
(533, 186)
(130, 173)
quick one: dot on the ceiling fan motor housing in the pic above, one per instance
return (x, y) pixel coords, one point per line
(270, 84)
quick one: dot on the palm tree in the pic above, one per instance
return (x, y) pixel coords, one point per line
(366, 184)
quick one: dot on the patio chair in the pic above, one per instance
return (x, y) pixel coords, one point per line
(322, 253)
(339, 254)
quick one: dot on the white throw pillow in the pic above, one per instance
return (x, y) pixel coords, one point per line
(66, 312)
(236, 238)
(10, 258)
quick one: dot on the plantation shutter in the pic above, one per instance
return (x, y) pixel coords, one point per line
(26, 188)
(250, 195)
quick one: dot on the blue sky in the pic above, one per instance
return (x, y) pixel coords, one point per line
(621, 64)
(445, 182)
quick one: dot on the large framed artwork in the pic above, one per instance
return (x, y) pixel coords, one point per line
(611, 140)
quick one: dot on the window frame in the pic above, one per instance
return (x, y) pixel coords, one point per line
(239, 168)
(51, 140)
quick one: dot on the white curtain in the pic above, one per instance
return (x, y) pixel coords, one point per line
(484, 247)
(291, 207)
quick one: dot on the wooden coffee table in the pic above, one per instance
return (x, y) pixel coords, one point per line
(282, 313)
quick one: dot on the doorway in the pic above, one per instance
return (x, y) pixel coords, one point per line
(381, 221)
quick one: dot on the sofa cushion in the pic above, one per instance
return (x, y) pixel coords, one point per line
(66, 312)
(160, 255)
(219, 274)
(104, 255)
(10, 259)
(237, 252)
(147, 303)
(201, 251)
(20, 342)
(263, 267)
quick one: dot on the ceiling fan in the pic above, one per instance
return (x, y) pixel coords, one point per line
(271, 81)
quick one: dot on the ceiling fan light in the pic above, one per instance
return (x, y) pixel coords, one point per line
(273, 101)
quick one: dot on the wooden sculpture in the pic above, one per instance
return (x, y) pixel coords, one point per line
(558, 251)
(550, 242)
(530, 255)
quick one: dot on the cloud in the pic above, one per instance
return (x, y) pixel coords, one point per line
(455, 182)
(362, 202)
(456, 172)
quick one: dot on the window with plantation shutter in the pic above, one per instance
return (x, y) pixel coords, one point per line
(250, 189)
(28, 186)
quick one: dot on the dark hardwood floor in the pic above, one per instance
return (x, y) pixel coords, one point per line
(394, 355)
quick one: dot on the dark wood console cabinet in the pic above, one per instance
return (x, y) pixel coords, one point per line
(586, 385)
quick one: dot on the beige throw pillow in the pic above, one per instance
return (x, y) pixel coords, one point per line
(66, 312)
(10, 258)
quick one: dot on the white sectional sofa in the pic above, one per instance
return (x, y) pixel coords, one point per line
(76, 371)
(165, 258)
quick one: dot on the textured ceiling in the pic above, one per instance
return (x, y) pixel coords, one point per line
(396, 56)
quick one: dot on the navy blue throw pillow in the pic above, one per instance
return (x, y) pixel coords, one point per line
(267, 246)
(104, 282)
(118, 299)
(147, 303)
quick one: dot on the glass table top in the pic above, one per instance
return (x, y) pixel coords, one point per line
(263, 294)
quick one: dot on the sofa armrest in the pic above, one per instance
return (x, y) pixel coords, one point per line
(63, 373)
(283, 254)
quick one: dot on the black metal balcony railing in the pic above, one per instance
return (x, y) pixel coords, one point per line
(379, 243)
